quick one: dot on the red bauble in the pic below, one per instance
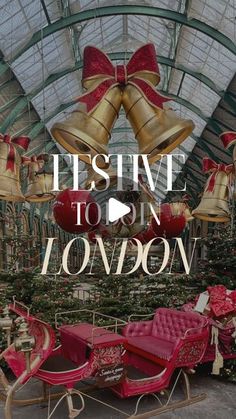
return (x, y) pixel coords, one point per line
(92, 236)
(170, 225)
(145, 236)
(101, 231)
(65, 212)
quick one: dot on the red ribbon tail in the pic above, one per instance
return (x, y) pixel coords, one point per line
(11, 159)
(155, 98)
(22, 142)
(211, 183)
(94, 97)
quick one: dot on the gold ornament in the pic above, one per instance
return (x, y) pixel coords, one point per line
(40, 182)
(88, 133)
(214, 203)
(10, 163)
(99, 180)
(158, 131)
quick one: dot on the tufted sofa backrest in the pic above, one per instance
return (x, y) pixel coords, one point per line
(172, 324)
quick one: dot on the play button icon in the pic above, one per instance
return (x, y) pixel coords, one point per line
(116, 209)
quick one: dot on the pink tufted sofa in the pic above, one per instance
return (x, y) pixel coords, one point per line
(171, 337)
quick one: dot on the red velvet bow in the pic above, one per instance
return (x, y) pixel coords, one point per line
(210, 166)
(228, 138)
(22, 142)
(141, 71)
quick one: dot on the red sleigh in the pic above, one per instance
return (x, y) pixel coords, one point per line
(163, 349)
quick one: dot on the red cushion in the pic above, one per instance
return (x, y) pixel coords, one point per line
(158, 347)
(172, 324)
(86, 332)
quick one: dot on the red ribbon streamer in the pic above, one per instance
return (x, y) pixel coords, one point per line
(228, 138)
(210, 166)
(22, 142)
(141, 71)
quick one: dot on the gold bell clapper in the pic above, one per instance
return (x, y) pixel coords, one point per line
(157, 130)
(40, 181)
(24, 342)
(214, 202)
(98, 180)
(228, 139)
(10, 164)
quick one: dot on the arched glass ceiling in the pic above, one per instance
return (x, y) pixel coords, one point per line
(42, 42)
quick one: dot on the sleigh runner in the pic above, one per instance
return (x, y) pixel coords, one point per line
(162, 351)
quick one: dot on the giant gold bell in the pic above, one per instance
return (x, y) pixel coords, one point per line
(99, 181)
(158, 131)
(10, 188)
(40, 187)
(214, 205)
(88, 133)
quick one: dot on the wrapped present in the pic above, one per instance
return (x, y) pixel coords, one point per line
(221, 308)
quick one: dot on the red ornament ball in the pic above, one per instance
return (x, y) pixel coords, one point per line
(65, 211)
(146, 236)
(170, 225)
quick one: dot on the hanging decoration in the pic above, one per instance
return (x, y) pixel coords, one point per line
(172, 223)
(65, 211)
(182, 207)
(10, 163)
(172, 219)
(214, 203)
(88, 129)
(40, 181)
(228, 139)
(99, 181)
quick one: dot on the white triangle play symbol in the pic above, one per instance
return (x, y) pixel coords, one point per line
(116, 210)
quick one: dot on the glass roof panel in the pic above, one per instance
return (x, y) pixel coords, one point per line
(61, 91)
(198, 94)
(50, 55)
(91, 4)
(101, 32)
(18, 20)
(201, 53)
(220, 14)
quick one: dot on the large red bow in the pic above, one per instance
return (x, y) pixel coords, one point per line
(228, 138)
(141, 71)
(22, 142)
(210, 166)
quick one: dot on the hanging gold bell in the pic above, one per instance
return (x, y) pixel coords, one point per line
(10, 162)
(88, 133)
(40, 188)
(214, 203)
(40, 182)
(100, 181)
(158, 131)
